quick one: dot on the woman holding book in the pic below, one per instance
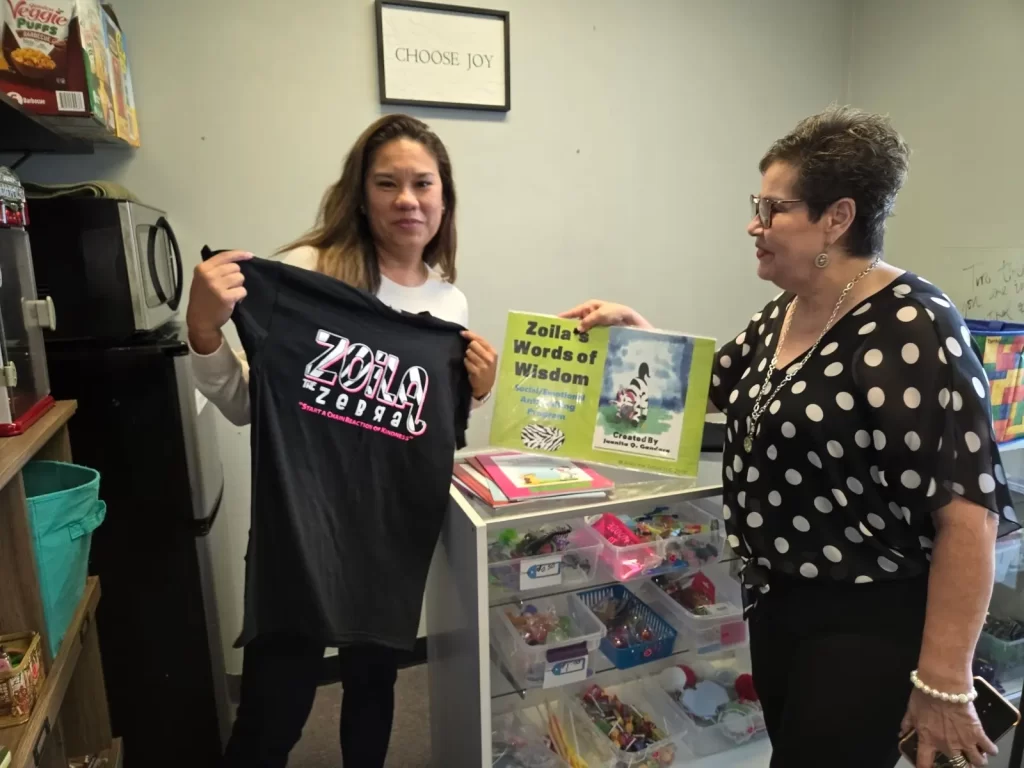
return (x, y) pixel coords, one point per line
(386, 226)
(863, 487)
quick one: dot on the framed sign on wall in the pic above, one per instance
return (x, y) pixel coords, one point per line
(443, 55)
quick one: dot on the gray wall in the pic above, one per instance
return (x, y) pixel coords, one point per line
(622, 171)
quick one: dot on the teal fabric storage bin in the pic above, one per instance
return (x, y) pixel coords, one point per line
(63, 510)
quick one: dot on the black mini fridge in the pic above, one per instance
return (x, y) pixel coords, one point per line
(142, 424)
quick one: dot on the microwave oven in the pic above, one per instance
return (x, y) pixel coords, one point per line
(112, 266)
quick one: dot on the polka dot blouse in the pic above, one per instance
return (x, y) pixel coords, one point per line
(883, 425)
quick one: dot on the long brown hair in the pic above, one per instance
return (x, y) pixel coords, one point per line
(342, 234)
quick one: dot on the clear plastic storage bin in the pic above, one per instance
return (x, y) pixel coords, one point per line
(1007, 656)
(680, 554)
(568, 732)
(729, 718)
(722, 625)
(574, 566)
(646, 697)
(529, 664)
(516, 741)
(1008, 559)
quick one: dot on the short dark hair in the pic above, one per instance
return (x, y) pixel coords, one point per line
(845, 152)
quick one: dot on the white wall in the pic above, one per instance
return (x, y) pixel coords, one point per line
(622, 171)
(948, 73)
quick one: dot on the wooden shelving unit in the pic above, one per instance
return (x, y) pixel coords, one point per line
(28, 740)
(71, 717)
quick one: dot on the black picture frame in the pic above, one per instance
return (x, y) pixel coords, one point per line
(442, 8)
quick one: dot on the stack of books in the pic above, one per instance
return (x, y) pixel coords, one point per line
(511, 477)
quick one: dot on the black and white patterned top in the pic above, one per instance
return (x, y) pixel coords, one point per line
(883, 425)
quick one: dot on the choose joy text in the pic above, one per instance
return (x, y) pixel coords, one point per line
(465, 61)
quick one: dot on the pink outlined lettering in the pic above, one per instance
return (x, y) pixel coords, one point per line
(412, 394)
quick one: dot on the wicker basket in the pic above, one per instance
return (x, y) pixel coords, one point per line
(20, 687)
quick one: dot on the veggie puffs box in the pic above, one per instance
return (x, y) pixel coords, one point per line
(65, 61)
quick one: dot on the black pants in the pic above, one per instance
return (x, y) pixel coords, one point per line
(832, 667)
(279, 681)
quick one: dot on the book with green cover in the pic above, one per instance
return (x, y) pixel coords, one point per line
(617, 396)
(5, 757)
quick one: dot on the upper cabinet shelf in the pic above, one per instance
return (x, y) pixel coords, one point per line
(21, 131)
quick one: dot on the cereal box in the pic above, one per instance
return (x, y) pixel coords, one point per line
(54, 62)
(120, 81)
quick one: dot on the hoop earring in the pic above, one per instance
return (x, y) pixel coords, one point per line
(821, 260)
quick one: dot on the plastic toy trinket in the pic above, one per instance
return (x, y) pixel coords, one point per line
(543, 541)
(624, 622)
(520, 755)
(704, 551)
(1008, 630)
(512, 748)
(541, 627)
(657, 760)
(661, 758)
(626, 726)
(661, 524)
(574, 561)
(696, 595)
(704, 701)
(720, 698)
(616, 530)
(985, 669)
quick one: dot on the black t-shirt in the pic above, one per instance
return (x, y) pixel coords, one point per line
(357, 410)
(886, 422)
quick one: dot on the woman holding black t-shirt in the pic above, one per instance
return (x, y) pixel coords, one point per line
(388, 227)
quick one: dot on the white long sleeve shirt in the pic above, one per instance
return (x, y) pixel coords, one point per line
(223, 375)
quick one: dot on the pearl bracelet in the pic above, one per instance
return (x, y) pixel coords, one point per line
(952, 698)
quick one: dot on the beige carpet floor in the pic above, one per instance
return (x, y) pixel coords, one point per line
(410, 735)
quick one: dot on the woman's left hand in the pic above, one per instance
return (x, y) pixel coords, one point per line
(481, 363)
(951, 729)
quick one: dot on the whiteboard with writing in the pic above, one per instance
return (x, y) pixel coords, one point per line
(985, 283)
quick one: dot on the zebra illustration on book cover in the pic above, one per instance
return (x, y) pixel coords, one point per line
(631, 402)
(643, 393)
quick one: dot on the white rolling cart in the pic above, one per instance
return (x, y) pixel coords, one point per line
(470, 683)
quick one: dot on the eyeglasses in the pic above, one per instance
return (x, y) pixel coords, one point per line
(764, 207)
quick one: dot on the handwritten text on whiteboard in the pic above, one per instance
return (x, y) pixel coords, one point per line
(990, 285)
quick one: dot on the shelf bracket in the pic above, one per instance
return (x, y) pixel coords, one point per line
(41, 740)
(20, 160)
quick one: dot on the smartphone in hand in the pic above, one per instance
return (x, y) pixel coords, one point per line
(997, 716)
